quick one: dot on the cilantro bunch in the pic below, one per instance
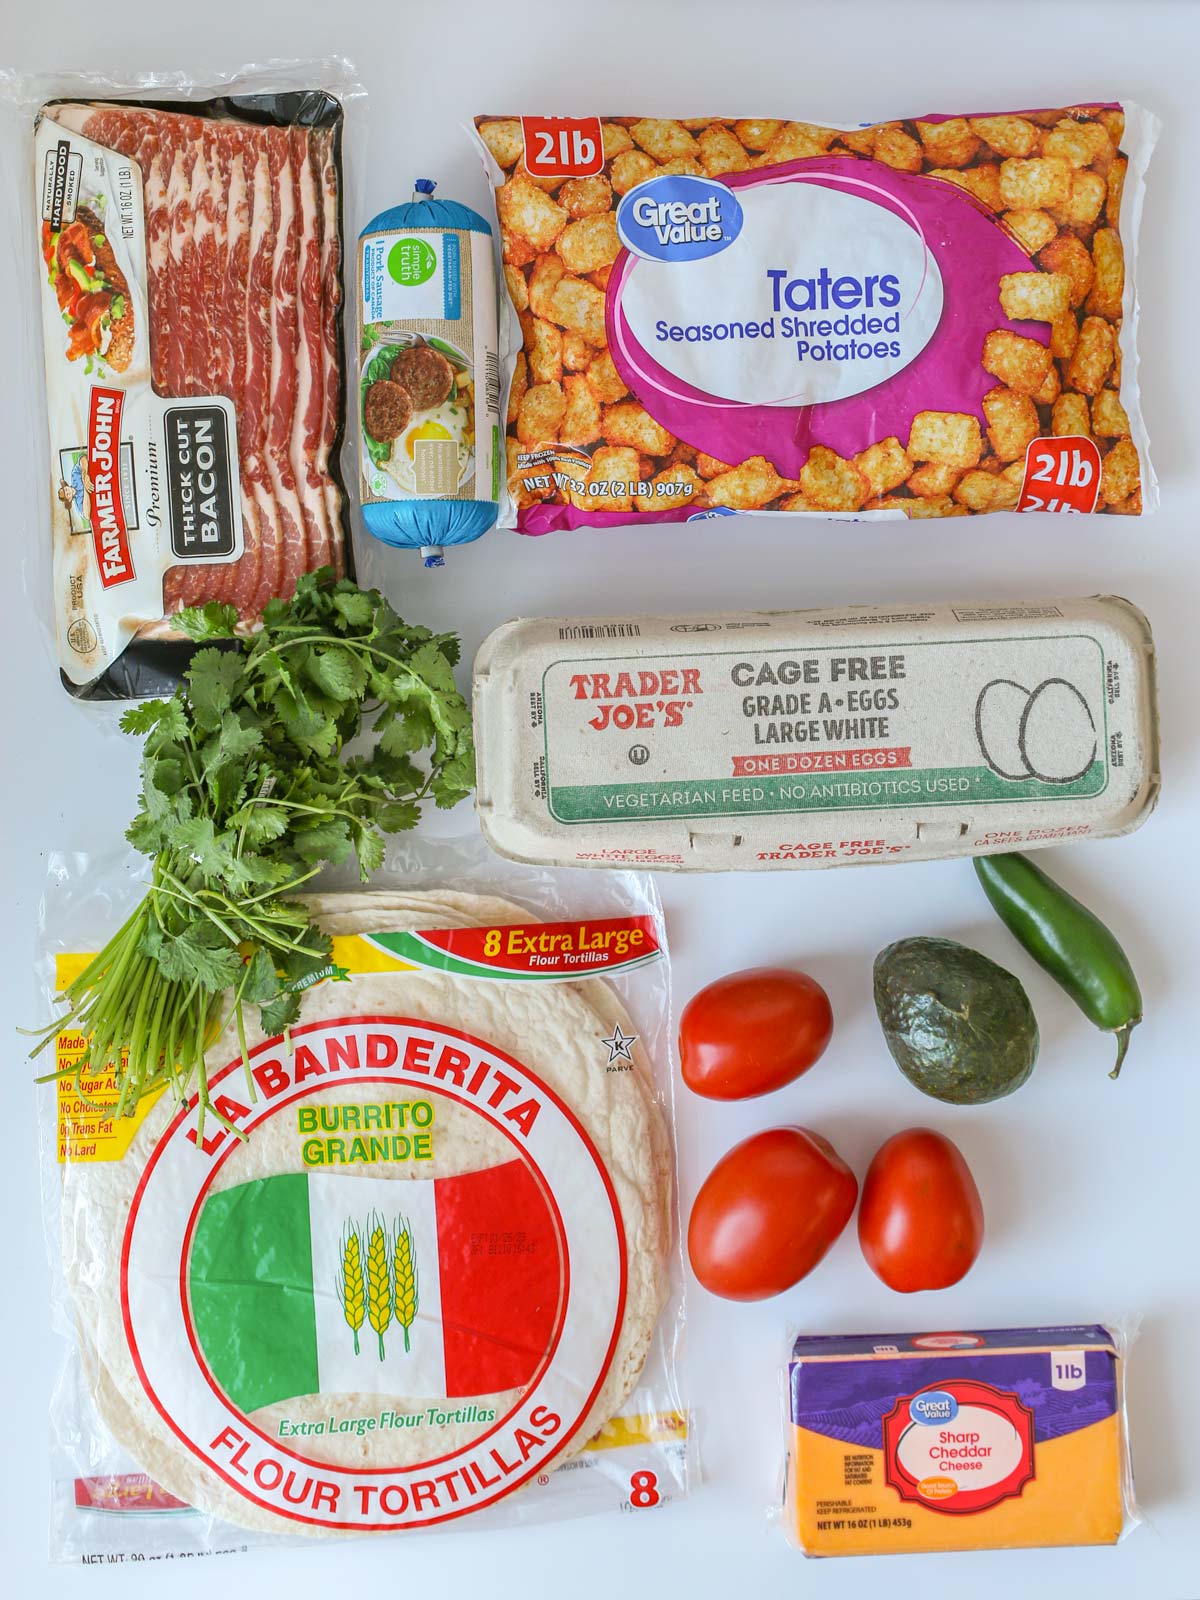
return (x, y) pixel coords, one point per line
(246, 795)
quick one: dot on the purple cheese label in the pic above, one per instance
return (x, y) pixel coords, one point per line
(1073, 1333)
(848, 1399)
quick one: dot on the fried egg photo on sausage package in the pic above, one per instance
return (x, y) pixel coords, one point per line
(418, 418)
(444, 428)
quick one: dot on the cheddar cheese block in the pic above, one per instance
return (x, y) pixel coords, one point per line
(957, 1441)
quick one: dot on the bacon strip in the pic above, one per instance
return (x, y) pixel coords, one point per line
(310, 377)
(237, 583)
(285, 344)
(325, 169)
(258, 375)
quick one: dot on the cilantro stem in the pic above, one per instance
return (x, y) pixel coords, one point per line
(285, 888)
(179, 892)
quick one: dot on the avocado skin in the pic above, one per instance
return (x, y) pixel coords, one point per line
(959, 1027)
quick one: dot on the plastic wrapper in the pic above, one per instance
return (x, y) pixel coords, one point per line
(440, 1281)
(921, 318)
(429, 375)
(185, 245)
(995, 1439)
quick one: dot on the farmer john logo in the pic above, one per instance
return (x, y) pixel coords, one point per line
(305, 1292)
(679, 218)
(110, 534)
(958, 1448)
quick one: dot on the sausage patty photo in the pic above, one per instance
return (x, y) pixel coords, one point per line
(387, 410)
(425, 373)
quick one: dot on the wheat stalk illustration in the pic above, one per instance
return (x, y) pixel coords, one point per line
(379, 1292)
(350, 1281)
(405, 1288)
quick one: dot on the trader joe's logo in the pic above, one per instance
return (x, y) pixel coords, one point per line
(958, 1447)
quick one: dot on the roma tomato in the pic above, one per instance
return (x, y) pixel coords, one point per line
(753, 1032)
(920, 1224)
(767, 1212)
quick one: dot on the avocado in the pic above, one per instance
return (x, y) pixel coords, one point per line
(960, 1027)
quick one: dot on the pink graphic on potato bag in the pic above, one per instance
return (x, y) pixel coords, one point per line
(972, 252)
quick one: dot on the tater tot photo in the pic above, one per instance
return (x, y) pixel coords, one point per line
(700, 371)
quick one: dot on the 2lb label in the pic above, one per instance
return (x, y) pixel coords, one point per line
(567, 147)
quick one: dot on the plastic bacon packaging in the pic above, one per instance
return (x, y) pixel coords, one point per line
(191, 291)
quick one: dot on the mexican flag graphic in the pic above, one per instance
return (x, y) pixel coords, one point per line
(326, 1283)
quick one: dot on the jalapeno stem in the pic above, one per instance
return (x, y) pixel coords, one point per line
(1123, 1036)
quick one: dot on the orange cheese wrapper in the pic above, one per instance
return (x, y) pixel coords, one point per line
(1009, 1438)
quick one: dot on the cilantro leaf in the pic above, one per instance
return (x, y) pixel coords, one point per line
(280, 1013)
(337, 673)
(260, 824)
(163, 775)
(370, 850)
(194, 956)
(354, 607)
(209, 621)
(454, 781)
(260, 982)
(398, 815)
(211, 677)
(327, 841)
(214, 853)
(410, 729)
(164, 715)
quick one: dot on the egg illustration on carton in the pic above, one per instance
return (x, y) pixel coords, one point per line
(1047, 733)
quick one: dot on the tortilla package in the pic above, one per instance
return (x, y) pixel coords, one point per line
(437, 1267)
(921, 318)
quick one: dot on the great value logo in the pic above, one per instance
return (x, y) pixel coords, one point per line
(933, 1407)
(679, 218)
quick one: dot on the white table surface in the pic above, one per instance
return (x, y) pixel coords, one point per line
(1091, 1188)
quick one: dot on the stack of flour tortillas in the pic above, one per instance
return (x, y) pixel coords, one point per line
(430, 1273)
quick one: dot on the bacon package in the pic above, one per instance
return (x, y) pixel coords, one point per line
(923, 318)
(191, 290)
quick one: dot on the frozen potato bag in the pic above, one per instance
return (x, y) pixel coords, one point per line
(924, 318)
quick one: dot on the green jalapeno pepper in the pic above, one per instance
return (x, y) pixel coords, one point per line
(1068, 940)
